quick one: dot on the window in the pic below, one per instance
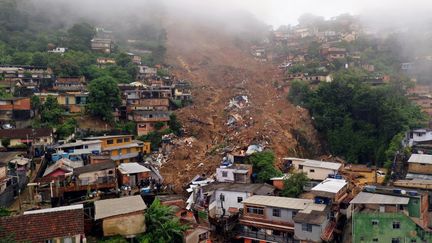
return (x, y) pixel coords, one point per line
(294, 213)
(395, 240)
(375, 239)
(224, 173)
(119, 151)
(203, 236)
(307, 227)
(126, 140)
(311, 171)
(128, 150)
(110, 141)
(300, 167)
(119, 140)
(222, 197)
(49, 241)
(276, 212)
(67, 240)
(396, 225)
(413, 241)
(239, 199)
(375, 222)
(255, 210)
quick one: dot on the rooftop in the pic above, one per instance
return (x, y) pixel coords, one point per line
(322, 164)
(278, 202)
(420, 158)
(132, 168)
(94, 167)
(107, 137)
(78, 143)
(374, 198)
(56, 209)
(118, 206)
(26, 133)
(330, 185)
(258, 189)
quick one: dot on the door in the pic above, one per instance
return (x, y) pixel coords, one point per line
(132, 180)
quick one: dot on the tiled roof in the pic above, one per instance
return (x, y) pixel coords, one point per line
(41, 226)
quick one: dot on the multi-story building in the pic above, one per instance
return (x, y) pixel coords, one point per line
(102, 45)
(70, 84)
(148, 121)
(17, 108)
(420, 164)
(236, 173)
(283, 219)
(81, 147)
(122, 148)
(390, 215)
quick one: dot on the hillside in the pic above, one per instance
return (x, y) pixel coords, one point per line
(220, 70)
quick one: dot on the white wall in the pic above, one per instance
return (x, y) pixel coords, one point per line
(220, 178)
(314, 236)
(318, 174)
(230, 200)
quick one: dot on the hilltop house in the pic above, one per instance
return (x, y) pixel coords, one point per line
(132, 173)
(36, 137)
(420, 164)
(236, 173)
(69, 84)
(17, 108)
(102, 45)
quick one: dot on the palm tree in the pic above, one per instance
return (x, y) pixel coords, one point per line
(162, 225)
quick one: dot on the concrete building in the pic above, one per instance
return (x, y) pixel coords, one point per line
(282, 219)
(80, 147)
(420, 164)
(99, 173)
(319, 170)
(235, 173)
(36, 137)
(122, 148)
(121, 216)
(390, 215)
(102, 45)
(132, 173)
(16, 108)
(330, 191)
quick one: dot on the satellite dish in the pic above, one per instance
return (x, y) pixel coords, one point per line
(403, 192)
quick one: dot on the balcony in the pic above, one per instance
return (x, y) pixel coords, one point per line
(260, 235)
(267, 224)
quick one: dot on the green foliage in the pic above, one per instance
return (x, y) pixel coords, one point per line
(4, 212)
(163, 72)
(175, 125)
(66, 128)
(4, 94)
(263, 165)
(155, 138)
(129, 127)
(299, 92)
(103, 98)
(359, 121)
(5, 142)
(293, 186)
(162, 225)
(51, 111)
(159, 125)
(35, 102)
(79, 36)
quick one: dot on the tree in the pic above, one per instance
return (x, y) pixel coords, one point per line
(293, 186)
(66, 128)
(80, 36)
(263, 165)
(299, 92)
(5, 142)
(39, 59)
(35, 103)
(51, 111)
(162, 225)
(175, 125)
(104, 98)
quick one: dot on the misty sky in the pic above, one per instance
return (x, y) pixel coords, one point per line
(281, 12)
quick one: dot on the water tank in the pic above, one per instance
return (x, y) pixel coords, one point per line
(397, 191)
(412, 193)
(370, 188)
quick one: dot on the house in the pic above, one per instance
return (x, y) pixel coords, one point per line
(80, 147)
(132, 173)
(73, 102)
(420, 164)
(17, 108)
(36, 136)
(103, 61)
(197, 234)
(136, 59)
(61, 167)
(182, 91)
(99, 173)
(60, 224)
(148, 121)
(225, 199)
(333, 53)
(279, 182)
(58, 50)
(121, 216)
(319, 170)
(282, 219)
(330, 191)
(102, 45)
(122, 148)
(235, 173)
(66, 84)
(145, 72)
(390, 215)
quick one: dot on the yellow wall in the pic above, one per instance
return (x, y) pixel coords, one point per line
(124, 225)
(116, 141)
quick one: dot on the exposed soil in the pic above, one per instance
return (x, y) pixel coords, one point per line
(220, 68)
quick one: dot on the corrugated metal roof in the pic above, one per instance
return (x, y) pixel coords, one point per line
(132, 168)
(375, 198)
(420, 158)
(322, 164)
(56, 209)
(279, 202)
(118, 206)
(330, 185)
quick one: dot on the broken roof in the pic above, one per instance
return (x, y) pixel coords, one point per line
(118, 206)
(330, 185)
(278, 202)
(132, 168)
(374, 198)
(420, 158)
(322, 164)
(257, 188)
